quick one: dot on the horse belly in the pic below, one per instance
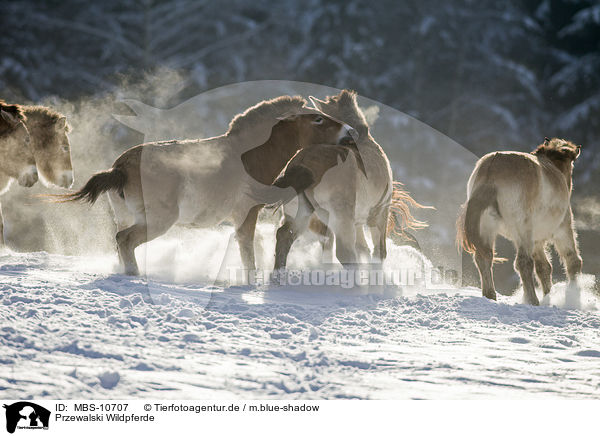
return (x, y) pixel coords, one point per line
(205, 205)
(540, 220)
(202, 211)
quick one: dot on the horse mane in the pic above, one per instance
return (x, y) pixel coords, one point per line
(557, 149)
(267, 109)
(44, 115)
(348, 108)
(13, 109)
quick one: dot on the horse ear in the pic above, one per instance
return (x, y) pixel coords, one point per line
(9, 118)
(316, 102)
(61, 124)
(347, 97)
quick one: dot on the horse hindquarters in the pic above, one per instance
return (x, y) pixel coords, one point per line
(153, 214)
(122, 215)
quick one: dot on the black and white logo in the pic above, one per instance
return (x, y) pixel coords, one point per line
(26, 415)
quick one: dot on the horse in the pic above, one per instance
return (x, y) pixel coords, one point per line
(338, 189)
(204, 182)
(34, 145)
(524, 197)
(16, 161)
(322, 182)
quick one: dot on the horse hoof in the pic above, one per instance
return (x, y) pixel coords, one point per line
(490, 295)
(132, 272)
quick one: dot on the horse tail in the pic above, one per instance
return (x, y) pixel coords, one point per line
(400, 217)
(111, 180)
(468, 235)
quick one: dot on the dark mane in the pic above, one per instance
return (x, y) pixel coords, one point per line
(13, 109)
(557, 149)
(267, 109)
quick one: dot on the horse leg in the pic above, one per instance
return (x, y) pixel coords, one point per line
(326, 237)
(345, 240)
(362, 247)
(543, 268)
(1, 228)
(379, 236)
(484, 258)
(245, 236)
(566, 245)
(524, 266)
(126, 247)
(290, 230)
(139, 233)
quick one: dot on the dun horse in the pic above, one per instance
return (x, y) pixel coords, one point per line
(204, 182)
(525, 198)
(33, 141)
(345, 186)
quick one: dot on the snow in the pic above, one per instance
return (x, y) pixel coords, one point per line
(70, 327)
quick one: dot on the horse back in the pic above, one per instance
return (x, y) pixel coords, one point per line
(528, 190)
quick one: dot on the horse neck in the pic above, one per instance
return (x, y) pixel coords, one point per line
(566, 170)
(37, 131)
(265, 162)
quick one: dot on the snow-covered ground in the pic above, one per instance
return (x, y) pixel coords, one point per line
(72, 328)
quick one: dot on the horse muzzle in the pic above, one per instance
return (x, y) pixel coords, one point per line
(28, 177)
(66, 179)
(347, 136)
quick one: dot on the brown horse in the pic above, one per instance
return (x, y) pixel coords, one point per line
(525, 198)
(204, 182)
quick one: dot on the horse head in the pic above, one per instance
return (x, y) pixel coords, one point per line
(17, 157)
